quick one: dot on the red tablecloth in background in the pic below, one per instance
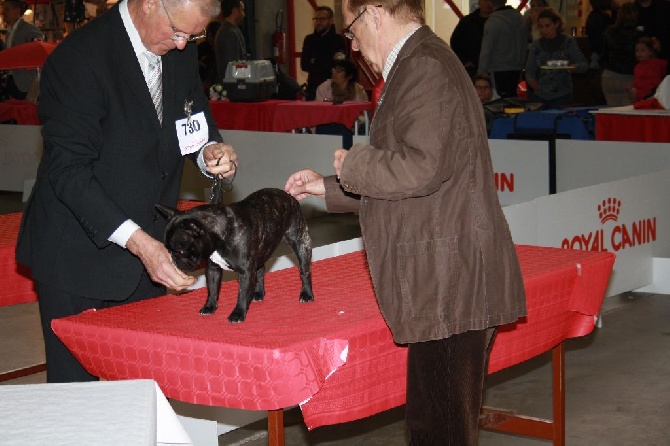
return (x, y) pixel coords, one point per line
(24, 112)
(298, 114)
(632, 125)
(283, 116)
(335, 355)
(254, 116)
(17, 285)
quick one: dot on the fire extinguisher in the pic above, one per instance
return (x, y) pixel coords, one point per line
(279, 39)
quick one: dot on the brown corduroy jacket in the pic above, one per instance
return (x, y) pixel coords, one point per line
(438, 245)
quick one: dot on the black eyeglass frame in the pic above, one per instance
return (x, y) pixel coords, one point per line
(347, 31)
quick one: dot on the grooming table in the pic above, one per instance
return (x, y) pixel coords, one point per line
(334, 357)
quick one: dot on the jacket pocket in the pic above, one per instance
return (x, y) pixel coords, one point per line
(428, 274)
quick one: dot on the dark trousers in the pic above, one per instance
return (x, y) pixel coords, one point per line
(506, 83)
(445, 386)
(62, 366)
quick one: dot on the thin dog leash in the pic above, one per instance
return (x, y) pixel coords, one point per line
(221, 185)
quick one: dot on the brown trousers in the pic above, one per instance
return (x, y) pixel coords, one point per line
(445, 386)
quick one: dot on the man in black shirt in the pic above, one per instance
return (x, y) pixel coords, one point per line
(654, 21)
(466, 40)
(319, 49)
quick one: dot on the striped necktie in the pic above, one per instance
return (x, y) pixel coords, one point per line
(155, 83)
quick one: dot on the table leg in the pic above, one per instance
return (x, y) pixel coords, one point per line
(509, 421)
(558, 378)
(37, 368)
(276, 427)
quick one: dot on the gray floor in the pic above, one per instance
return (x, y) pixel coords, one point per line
(617, 386)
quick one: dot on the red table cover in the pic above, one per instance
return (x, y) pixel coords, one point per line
(17, 285)
(632, 127)
(283, 116)
(298, 114)
(23, 112)
(335, 355)
(254, 116)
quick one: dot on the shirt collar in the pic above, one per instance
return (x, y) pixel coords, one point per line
(134, 35)
(393, 55)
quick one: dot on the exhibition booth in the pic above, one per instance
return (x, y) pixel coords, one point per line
(612, 207)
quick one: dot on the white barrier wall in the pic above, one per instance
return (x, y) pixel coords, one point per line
(266, 159)
(585, 163)
(521, 169)
(20, 153)
(628, 217)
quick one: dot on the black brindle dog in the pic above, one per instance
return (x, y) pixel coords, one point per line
(240, 237)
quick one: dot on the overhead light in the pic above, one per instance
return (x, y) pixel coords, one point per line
(28, 12)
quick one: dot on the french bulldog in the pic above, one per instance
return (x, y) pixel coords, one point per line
(240, 237)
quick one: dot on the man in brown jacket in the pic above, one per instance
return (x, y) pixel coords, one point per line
(441, 256)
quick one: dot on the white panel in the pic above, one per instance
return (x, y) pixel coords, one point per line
(521, 169)
(586, 163)
(266, 159)
(20, 154)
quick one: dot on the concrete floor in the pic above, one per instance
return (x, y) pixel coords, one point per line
(617, 378)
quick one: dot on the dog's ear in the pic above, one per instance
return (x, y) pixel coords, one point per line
(165, 211)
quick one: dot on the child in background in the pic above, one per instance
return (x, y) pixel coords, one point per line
(649, 71)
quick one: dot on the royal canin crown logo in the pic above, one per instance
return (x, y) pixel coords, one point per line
(609, 209)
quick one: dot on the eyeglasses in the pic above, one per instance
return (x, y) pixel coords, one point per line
(347, 31)
(180, 36)
(320, 19)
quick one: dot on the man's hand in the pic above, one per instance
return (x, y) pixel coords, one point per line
(157, 261)
(340, 155)
(304, 183)
(220, 159)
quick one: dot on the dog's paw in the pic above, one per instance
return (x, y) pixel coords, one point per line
(208, 309)
(257, 297)
(237, 316)
(306, 297)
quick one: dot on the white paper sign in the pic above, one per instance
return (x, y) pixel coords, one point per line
(192, 132)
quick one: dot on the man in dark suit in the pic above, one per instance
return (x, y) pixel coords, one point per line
(320, 48)
(439, 249)
(120, 109)
(18, 32)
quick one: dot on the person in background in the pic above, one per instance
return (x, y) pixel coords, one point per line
(483, 87)
(649, 71)
(18, 32)
(207, 56)
(439, 249)
(110, 110)
(654, 21)
(466, 40)
(343, 84)
(553, 85)
(531, 17)
(504, 47)
(229, 43)
(319, 49)
(618, 56)
(600, 17)
(484, 90)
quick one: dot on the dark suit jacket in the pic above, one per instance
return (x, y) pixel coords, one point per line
(438, 246)
(106, 158)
